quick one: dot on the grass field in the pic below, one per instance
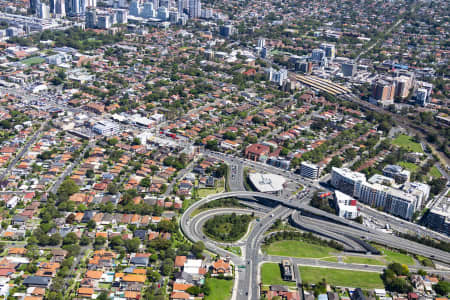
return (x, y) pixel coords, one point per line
(347, 278)
(202, 193)
(271, 274)
(299, 249)
(394, 256)
(407, 142)
(220, 289)
(434, 172)
(33, 61)
(363, 260)
(409, 166)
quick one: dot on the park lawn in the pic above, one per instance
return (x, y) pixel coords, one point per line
(394, 256)
(434, 172)
(271, 275)
(407, 143)
(33, 61)
(337, 277)
(409, 166)
(220, 289)
(295, 248)
(363, 260)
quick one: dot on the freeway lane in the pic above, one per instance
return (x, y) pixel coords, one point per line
(350, 228)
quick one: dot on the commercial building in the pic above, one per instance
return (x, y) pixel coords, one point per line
(348, 69)
(309, 170)
(330, 50)
(383, 92)
(257, 152)
(267, 183)
(345, 205)
(195, 9)
(106, 128)
(346, 180)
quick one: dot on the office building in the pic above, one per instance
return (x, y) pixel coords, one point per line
(348, 69)
(122, 16)
(438, 219)
(309, 170)
(278, 77)
(181, 6)
(34, 6)
(60, 8)
(330, 50)
(164, 3)
(195, 9)
(91, 18)
(155, 4)
(397, 173)
(207, 13)
(263, 52)
(174, 16)
(346, 180)
(104, 21)
(345, 205)
(304, 67)
(135, 8)
(43, 11)
(163, 13)
(422, 97)
(148, 10)
(226, 30)
(261, 43)
(52, 5)
(383, 92)
(318, 55)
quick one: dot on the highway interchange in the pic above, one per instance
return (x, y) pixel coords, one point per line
(269, 208)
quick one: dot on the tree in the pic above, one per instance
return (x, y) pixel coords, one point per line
(112, 188)
(67, 189)
(70, 239)
(167, 267)
(132, 245)
(99, 241)
(198, 248)
(91, 224)
(103, 296)
(90, 173)
(84, 240)
(70, 219)
(442, 288)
